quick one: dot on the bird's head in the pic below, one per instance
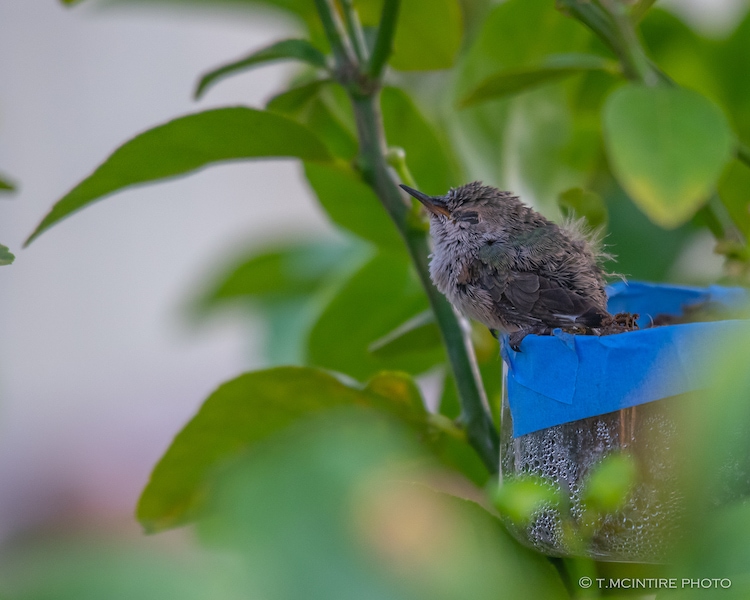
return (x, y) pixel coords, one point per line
(467, 211)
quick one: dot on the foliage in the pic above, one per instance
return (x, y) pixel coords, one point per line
(610, 110)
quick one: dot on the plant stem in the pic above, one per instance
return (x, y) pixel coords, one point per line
(480, 430)
(363, 89)
(334, 32)
(354, 28)
(384, 41)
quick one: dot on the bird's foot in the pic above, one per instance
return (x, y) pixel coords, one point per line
(515, 338)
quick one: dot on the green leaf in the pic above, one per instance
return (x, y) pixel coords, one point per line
(521, 498)
(734, 189)
(336, 508)
(241, 413)
(607, 487)
(293, 100)
(351, 204)
(309, 105)
(551, 149)
(428, 33)
(554, 68)
(301, 50)
(427, 156)
(6, 257)
(377, 299)
(504, 41)
(419, 334)
(272, 274)
(667, 147)
(185, 145)
(579, 203)
(6, 185)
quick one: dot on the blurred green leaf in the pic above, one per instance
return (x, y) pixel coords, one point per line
(419, 334)
(428, 33)
(643, 250)
(607, 487)
(287, 285)
(185, 145)
(6, 185)
(323, 121)
(311, 106)
(689, 59)
(734, 189)
(293, 100)
(521, 498)
(484, 140)
(334, 508)
(378, 298)
(428, 159)
(351, 204)
(667, 147)
(85, 569)
(640, 8)
(504, 41)
(301, 50)
(292, 270)
(552, 149)
(6, 256)
(241, 413)
(554, 68)
(579, 203)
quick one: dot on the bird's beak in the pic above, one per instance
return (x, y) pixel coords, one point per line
(435, 204)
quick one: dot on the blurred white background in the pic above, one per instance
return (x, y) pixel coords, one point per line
(97, 370)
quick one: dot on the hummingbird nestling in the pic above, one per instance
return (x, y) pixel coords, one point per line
(502, 263)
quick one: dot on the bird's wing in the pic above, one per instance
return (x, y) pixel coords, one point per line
(530, 297)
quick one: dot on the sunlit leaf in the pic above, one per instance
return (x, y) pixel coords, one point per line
(426, 152)
(301, 50)
(377, 299)
(351, 204)
(554, 68)
(185, 145)
(243, 412)
(667, 147)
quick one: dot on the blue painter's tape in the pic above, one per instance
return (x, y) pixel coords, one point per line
(562, 378)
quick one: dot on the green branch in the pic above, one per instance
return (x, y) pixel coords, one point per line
(381, 52)
(354, 28)
(334, 31)
(373, 165)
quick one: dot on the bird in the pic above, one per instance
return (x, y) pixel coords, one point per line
(503, 264)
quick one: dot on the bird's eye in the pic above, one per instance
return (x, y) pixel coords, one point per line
(467, 216)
